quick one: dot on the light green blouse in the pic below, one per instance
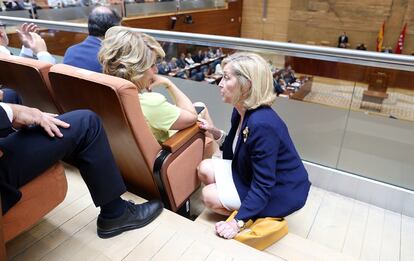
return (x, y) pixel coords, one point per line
(159, 113)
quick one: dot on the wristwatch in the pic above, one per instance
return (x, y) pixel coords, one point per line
(240, 223)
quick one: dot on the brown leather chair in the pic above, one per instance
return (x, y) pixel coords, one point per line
(151, 170)
(35, 203)
(29, 78)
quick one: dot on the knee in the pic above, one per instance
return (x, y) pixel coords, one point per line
(83, 119)
(88, 116)
(205, 169)
(92, 119)
(209, 196)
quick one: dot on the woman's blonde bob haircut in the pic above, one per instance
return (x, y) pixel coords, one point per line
(254, 77)
(128, 54)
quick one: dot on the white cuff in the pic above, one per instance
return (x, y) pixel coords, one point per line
(26, 52)
(8, 110)
(46, 57)
(222, 138)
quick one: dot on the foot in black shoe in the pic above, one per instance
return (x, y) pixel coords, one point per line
(135, 216)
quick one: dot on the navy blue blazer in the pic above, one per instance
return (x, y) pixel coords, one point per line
(267, 171)
(5, 124)
(9, 194)
(85, 54)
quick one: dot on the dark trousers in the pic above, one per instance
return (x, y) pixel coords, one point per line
(10, 96)
(29, 152)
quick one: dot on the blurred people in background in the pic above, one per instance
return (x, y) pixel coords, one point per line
(361, 47)
(181, 61)
(163, 68)
(288, 75)
(189, 60)
(175, 69)
(12, 5)
(199, 57)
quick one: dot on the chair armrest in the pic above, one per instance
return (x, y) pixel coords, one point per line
(2, 243)
(180, 138)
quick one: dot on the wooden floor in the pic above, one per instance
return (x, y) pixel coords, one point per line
(329, 227)
(334, 227)
(69, 233)
(348, 95)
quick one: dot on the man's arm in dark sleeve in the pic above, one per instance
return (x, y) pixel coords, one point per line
(5, 124)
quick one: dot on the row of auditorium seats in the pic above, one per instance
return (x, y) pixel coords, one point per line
(151, 170)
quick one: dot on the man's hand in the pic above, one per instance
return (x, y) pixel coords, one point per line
(30, 39)
(25, 116)
(38, 44)
(24, 34)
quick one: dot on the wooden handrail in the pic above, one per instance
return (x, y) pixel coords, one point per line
(181, 137)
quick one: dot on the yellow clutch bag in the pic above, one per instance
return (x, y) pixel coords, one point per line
(261, 233)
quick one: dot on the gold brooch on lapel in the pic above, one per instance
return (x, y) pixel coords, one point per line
(245, 134)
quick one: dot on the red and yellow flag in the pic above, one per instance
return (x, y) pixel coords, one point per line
(400, 43)
(380, 37)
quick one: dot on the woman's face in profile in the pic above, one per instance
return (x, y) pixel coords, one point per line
(148, 76)
(229, 86)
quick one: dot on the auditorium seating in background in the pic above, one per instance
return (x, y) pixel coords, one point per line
(150, 170)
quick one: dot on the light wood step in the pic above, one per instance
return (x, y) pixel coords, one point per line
(169, 237)
(290, 247)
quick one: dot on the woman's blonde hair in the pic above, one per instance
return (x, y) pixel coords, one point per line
(128, 54)
(254, 77)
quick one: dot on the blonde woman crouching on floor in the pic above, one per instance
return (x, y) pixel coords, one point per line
(261, 173)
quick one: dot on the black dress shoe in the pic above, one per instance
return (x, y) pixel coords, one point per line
(135, 216)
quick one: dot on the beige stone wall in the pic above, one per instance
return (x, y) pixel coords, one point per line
(319, 21)
(274, 27)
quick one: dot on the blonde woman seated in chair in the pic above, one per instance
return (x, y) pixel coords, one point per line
(132, 56)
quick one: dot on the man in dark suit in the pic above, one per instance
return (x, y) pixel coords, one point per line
(85, 54)
(343, 40)
(77, 138)
(181, 61)
(199, 57)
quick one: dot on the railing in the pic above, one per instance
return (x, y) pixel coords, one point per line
(126, 8)
(334, 124)
(400, 62)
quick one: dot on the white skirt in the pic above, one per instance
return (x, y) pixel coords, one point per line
(226, 189)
